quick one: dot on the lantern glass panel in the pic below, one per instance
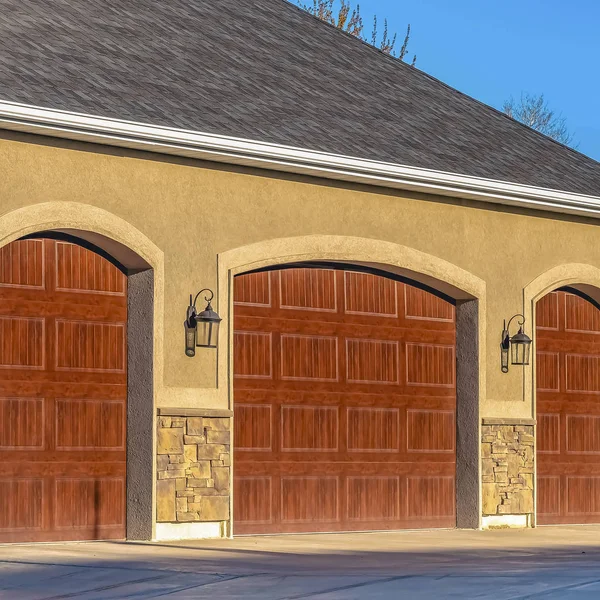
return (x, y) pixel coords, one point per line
(207, 334)
(520, 352)
(526, 351)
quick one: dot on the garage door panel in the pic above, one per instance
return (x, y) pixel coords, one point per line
(430, 365)
(583, 434)
(369, 295)
(548, 371)
(22, 265)
(253, 499)
(22, 424)
(308, 289)
(372, 361)
(254, 289)
(85, 424)
(309, 358)
(419, 304)
(582, 373)
(253, 354)
(90, 346)
(548, 433)
(547, 312)
(431, 431)
(85, 502)
(253, 429)
(583, 496)
(79, 270)
(330, 502)
(360, 404)
(22, 502)
(22, 343)
(430, 497)
(375, 498)
(63, 387)
(310, 428)
(568, 414)
(548, 496)
(373, 429)
(581, 316)
(310, 498)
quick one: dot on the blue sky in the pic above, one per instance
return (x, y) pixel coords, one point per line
(494, 49)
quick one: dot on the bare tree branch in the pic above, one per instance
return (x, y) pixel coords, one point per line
(534, 112)
(342, 15)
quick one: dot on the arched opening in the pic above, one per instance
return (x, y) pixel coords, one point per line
(76, 381)
(568, 405)
(345, 387)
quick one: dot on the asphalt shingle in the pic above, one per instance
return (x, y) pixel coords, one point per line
(264, 70)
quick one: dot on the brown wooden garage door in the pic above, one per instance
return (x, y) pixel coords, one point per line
(568, 409)
(344, 403)
(62, 393)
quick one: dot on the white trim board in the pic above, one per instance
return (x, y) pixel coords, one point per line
(231, 150)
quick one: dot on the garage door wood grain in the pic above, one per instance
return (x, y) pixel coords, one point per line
(344, 396)
(63, 385)
(568, 409)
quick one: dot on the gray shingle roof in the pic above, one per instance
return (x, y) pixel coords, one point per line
(264, 70)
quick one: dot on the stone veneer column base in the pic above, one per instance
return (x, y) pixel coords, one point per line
(507, 456)
(193, 467)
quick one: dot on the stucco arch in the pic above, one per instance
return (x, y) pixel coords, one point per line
(75, 216)
(581, 276)
(144, 263)
(467, 289)
(445, 276)
(388, 256)
(83, 220)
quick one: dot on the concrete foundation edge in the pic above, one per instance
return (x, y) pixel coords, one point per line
(506, 521)
(168, 532)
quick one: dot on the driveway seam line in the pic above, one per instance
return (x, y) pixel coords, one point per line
(189, 587)
(102, 588)
(571, 586)
(347, 587)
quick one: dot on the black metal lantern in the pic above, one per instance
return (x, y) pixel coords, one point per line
(519, 345)
(201, 328)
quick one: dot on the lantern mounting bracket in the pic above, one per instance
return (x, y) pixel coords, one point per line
(521, 343)
(192, 311)
(209, 321)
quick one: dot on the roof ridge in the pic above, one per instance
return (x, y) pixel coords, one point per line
(405, 65)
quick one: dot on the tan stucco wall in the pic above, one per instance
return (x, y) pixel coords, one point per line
(194, 221)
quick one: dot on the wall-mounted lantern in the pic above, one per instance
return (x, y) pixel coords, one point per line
(519, 345)
(201, 328)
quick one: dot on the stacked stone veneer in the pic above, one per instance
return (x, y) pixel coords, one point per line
(508, 454)
(193, 469)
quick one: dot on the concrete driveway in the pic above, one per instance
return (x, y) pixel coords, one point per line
(545, 563)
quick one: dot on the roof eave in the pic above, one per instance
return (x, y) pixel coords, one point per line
(230, 150)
